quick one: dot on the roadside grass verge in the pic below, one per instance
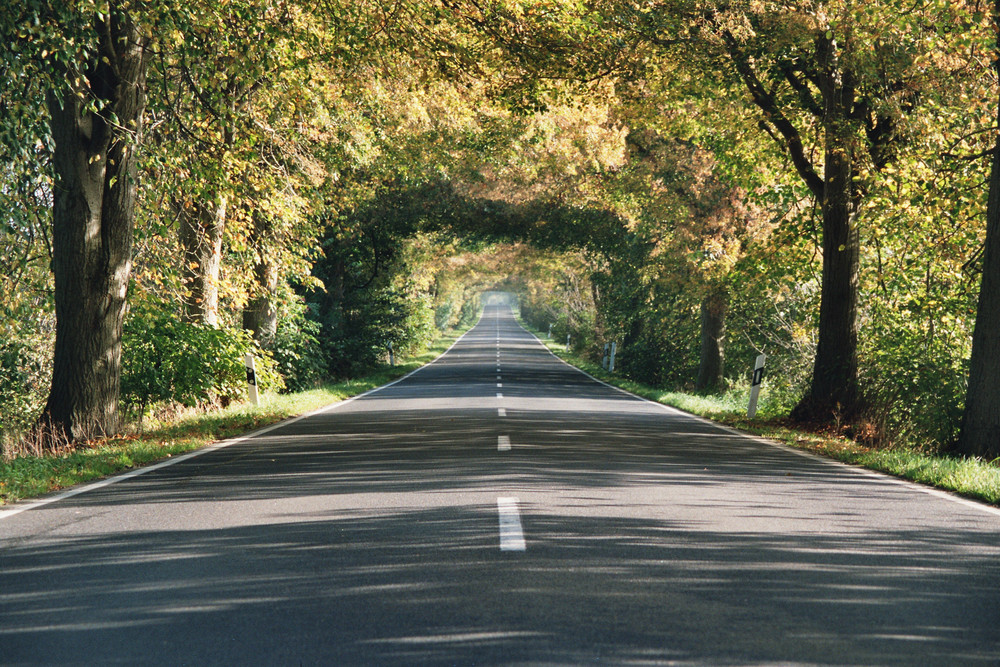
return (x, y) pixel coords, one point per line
(30, 476)
(969, 477)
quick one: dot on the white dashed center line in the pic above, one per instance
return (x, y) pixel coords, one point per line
(511, 534)
(503, 443)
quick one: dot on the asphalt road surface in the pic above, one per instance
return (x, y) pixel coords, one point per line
(501, 508)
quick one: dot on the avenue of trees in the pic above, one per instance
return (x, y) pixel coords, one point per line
(700, 181)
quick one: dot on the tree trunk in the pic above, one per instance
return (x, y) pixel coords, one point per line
(980, 434)
(711, 367)
(201, 227)
(92, 224)
(834, 389)
(260, 316)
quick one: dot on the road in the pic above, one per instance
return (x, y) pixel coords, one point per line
(501, 508)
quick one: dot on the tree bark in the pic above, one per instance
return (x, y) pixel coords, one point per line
(711, 367)
(92, 227)
(834, 387)
(202, 224)
(980, 433)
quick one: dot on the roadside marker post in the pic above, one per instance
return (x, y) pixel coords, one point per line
(758, 377)
(567, 343)
(604, 359)
(611, 362)
(252, 379)
(549, 334)
(392, 355)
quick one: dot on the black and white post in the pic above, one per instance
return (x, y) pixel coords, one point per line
(611, 361)
(252, 379)
(758, 377)
(392, 355)
(604, 359)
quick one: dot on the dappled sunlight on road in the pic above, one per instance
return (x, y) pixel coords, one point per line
(362, 575)
(368, 534)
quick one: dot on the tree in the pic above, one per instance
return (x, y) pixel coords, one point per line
(980, 434)
(701, 222)
(835, 83)
(260, 315)
(94, 158)
(805, 64)
(208, 76)
(92, 61)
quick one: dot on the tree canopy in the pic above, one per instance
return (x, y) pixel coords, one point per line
(699, 181)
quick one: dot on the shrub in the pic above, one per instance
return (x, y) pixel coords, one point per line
(472, 307)
(357, 331)
(26, 371)
(166, 360)
(443, 314)
(914, 383)
(298, 353)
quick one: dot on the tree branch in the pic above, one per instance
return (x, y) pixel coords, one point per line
(800, 87)
(792, 140)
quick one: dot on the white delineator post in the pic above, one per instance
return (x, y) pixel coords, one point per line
(611, 361)
(758, 377)
(252, 379)
(567, 343)
(392, 355)
(604, 359)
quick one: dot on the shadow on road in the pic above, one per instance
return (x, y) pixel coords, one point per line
(428, 586)
(396, 559)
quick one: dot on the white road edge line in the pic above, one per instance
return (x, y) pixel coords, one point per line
(931, 491)
(511, 533)
(108, 481)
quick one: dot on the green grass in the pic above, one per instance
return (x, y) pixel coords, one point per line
(30, 476)
(972, 478)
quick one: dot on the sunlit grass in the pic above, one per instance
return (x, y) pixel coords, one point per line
(973, 478)
(30, 476)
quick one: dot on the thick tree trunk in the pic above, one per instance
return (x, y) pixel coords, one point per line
(980, 434)
(92, 224)
(834, 389)
(201, 228)
(711, 367)
(260, 316)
